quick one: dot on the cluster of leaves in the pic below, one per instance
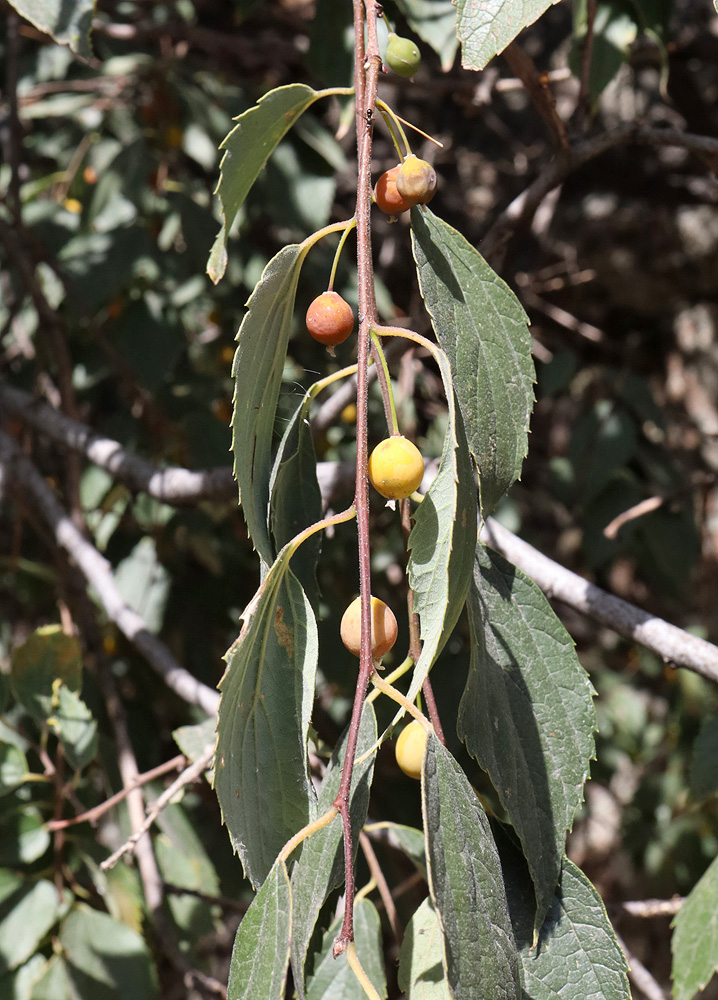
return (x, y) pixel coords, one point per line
(128, 216)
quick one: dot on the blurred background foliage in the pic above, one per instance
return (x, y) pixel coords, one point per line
(115, 160)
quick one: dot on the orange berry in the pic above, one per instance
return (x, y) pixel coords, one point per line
(384, 629)
(396, 468)
(330, 319)
(416, 180)
(387, 196)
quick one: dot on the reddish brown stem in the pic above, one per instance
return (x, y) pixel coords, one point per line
(366, 73)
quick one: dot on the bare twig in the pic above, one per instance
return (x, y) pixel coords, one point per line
(671, 644)
(649, 907)
(188, 776)
(583, 105)
(538, 88)
(98, 573)
(92, 815)
(639, 974)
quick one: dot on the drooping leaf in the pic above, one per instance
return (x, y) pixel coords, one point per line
(296, 500)
(421, 959)
(333, 979)
(46, 656)
(261, 771)
(434, 21)
(695, 937)
(704, 761)
(13, 767)
(27, 914)
(442, 539)
(246, 150)
(576, 943)
(67, 21)
(74, 726)
(486, 27)
(257, 369)
(466, 884)
(106, 959)
(260, 956)
(483, 330)
(527, 714)
(407, 839)
(321, 866)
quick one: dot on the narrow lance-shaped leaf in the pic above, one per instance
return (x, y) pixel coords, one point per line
(260, 956)
(527, 713)
(68, 23)
(296, 500)
(333, 978)
(695, 938)
(466, 884)
(246, 149)
(257, 369)
(483, 330)
(421, 959)
(261, 771)
(321, 866)
(442, 540)
(576, 949)
(486, 27)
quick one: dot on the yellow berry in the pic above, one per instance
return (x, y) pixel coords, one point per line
(396, 468)
(73, 205)
(410, 749)
(416, 180)
(384, 629)
(349, 413)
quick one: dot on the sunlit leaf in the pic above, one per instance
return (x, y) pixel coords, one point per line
(695, 938)
(13, 767)
(527, 714)
(483, 330)
(434, 21)
(67, 21)
(421, 959)
(75, 727)
(47, 656)
(486, 27)
(27, 914)
(333, 978)
(260, 956)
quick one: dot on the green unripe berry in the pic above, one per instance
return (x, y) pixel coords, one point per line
(416, 180)
(402, 55)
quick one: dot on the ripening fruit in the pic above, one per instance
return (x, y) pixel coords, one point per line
(410, 748)
(330, 319)
(416, 181)
(384, 629)
(386, 195)
(402, 55)
(396, 468)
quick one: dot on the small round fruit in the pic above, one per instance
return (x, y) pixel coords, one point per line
(410, 748)
(330, 319)
(402, 55)
(386, 195)
(396, 468)
(384, 629)
(416, 180)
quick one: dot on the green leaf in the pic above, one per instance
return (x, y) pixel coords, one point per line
(194, 740)
(442, 541)
(421, 959)
(321, 866)
(68, 23)
(13, 767)
(407, 839)
(23, 835)
(466, 885)
(75, 727)
(20, 985)
(296, 500)
(483, 330)
(247, 148)
(261, 948)
(257, 369)
(695, 937)
(704, 761)
(576, 943)
(106, 960)
(486, 27)
(434, 21)
(47, 656)
(614, 31)
(54, 982)
(145, 583)
(333, 978)
(261, 773)
(527, 713)
(27, 914)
